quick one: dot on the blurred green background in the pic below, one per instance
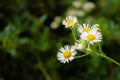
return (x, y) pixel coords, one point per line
(31, 34)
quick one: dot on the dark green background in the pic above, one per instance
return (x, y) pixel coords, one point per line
(28, 46)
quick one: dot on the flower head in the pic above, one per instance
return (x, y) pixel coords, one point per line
(85, 28)
(66, 54)
(88, 6)
(56, 22)
(93, 36)
(78, 46)
(69, 21)
(77, 4)
(72, 12)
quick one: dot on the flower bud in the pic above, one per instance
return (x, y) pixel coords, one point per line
(80, 45)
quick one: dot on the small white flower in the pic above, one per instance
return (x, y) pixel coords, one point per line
(93, 36)
(57, 19)
(56, 22)
(66, 54)
(85, 28)
(78, 46)
(80, 13)
(75, 12)
(77, 4)
(71, 12)
(69, 21)
(88, 6)
(54, 25)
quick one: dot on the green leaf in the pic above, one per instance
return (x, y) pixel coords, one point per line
(23, 41)
(13, 52)
(42, 19)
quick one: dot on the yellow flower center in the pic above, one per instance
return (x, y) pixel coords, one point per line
(91, 37)
(69, 22)
(67, 53)
(86, 29)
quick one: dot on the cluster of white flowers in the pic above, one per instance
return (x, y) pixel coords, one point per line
(89, 34)
(79, 8)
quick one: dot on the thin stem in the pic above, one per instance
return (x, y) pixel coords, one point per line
(82, 55)
(89, 45)
(100, 49)
(42, 68)
(110, 59)
(73, 33)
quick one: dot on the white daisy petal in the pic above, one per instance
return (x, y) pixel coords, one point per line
(66, 54)
(86, 28)
(69, 21)
(62, 49)
(93, 36)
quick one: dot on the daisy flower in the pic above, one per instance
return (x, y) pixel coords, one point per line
(69, 21)
(85, 28)
(66, 54)
(79, 46)
(93, 36)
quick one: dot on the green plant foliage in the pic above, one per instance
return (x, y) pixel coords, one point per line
(29, 45)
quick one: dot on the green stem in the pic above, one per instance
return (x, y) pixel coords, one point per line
(108, 58)
(100, 49)
(73, 33)
(104, 56)
(42, 68)
(82, 55)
